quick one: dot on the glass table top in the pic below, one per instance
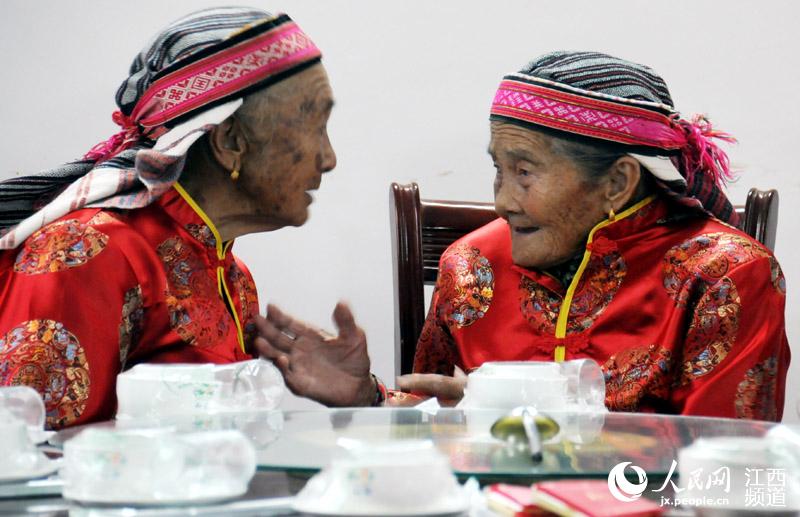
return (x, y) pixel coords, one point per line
(587, 445)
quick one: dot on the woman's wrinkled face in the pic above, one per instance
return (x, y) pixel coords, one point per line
(549, 205)
(289, 151)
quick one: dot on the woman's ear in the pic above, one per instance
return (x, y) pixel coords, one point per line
(623, 182)
(227, 143)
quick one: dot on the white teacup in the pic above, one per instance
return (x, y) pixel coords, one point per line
(19, 455)
(576, 385)
(156, 466)
(586, 385)
(508, 385)
(738, 467)
(157, 391)
(248, 385)
(153, 390)
(406, 476)
(527, 369)
(25, 404)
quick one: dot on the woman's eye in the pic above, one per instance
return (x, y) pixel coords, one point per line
(523, 172)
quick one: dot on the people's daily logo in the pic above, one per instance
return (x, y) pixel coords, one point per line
(621, 488)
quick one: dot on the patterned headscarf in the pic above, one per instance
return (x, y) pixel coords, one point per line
(605, 98)
(192, 76)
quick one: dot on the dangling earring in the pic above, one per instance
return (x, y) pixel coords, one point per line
(235, 174)
(611, 215)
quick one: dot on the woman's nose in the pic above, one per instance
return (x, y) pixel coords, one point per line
(503, 198)
(328, 156)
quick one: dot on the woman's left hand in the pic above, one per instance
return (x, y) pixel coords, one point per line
(449, 390)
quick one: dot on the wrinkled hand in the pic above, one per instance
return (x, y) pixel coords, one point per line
(449, 390)
(333, 370)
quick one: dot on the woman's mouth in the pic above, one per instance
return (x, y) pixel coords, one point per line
(525, 230)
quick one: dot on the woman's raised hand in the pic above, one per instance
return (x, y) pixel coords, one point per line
(333, 370)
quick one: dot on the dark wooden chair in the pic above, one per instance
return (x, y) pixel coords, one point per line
(422, 229)
(759, 216)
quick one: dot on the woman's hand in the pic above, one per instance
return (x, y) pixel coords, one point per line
(333, 370)
(449, 390)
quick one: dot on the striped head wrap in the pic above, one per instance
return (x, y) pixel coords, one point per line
(600, 97)
(190, 77)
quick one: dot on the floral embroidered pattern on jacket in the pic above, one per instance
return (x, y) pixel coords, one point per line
(755, 395)
(436, 352)
(202, 233)
(539, 305)
(778, 281)
(705, 257)
(59, 246)
(468, 280)
(44, 355)
(248, 300)
(598, 285)
(601, 280)
(192, 296)
(103, 218)
(130, 327)
(712, 330)
(635, 373)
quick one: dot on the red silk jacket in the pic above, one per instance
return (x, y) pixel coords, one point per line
(98, 291)
(685, 314)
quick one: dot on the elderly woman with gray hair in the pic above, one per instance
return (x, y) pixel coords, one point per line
(125, 256)
(615, 242)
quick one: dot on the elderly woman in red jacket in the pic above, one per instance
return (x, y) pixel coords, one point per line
(125, 256)
(615, 242)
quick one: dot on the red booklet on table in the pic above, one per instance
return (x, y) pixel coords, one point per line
(589, 497)
(513, 500)
(568, 498)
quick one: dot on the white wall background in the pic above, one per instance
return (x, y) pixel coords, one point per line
(413, 82)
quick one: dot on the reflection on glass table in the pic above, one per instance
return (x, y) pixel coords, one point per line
(303, 442)
(269, 493)
(588, 444)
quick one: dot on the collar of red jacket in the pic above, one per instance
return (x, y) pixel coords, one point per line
(604, 237)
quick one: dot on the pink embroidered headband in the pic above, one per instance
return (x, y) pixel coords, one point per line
(253, 58)
(642, 124)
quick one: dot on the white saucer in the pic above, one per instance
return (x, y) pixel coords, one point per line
(315, 508)
(310, 502)
(111, 499)
(47, 467)
(40, 436)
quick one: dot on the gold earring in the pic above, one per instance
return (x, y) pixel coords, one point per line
(235, 174)
(611, 215)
